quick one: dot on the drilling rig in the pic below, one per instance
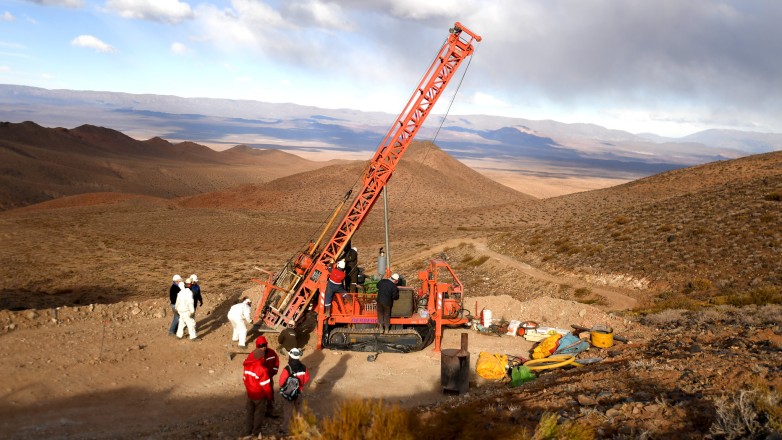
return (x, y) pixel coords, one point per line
(418, 317)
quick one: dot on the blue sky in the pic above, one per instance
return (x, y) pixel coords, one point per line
(670, 67)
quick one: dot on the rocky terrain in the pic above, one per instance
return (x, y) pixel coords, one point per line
(685, 265)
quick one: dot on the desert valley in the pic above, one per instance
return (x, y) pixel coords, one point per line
(685, 264)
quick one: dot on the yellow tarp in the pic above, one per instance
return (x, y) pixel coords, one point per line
(491, 366)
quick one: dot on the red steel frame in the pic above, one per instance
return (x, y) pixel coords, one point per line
(455, 50)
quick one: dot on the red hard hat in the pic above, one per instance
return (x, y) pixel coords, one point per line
(261, 341)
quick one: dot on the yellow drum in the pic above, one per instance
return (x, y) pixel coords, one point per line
(602, 336)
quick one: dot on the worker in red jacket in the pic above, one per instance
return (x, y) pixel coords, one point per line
(334, 285)
(291, 404)
(271, 361)
(259, 390)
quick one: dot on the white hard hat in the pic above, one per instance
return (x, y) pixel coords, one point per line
(341, 264)
(395, 277)
(295, 353)
(177, 278)
(188, 281)
(194, 278)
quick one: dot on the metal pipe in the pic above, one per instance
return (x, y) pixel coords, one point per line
(329, 223)
(385, 222)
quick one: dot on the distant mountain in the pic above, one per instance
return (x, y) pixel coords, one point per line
(39, 164)
(220, 123)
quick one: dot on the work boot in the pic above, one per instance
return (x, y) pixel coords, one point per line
(327, 311)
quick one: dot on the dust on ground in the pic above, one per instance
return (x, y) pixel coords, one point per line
(101, 371)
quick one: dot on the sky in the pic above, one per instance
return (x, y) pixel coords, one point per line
(669, 67)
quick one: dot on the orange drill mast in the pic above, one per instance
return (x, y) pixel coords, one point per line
(287, 295)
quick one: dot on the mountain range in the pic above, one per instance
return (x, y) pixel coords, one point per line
(512, 144)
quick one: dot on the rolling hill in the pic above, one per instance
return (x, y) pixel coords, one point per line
(713, 229)
(40, 164)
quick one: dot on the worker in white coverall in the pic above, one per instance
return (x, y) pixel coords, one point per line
(238, 315)
(185, 306)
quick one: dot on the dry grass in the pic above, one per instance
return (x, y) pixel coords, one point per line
(755, 413)
(708, 231)
(374, 420)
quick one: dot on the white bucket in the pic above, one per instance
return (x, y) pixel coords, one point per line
(485, 317)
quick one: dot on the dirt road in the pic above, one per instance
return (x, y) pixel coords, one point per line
(616, 299)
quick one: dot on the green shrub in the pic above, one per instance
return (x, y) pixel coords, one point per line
(671, 300)
(582, 292)
(698, 285)
(775, 196)
(550, 429)
(759, 296)
(665, 228)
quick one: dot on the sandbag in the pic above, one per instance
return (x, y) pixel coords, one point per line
(491, 366)
(547, 346)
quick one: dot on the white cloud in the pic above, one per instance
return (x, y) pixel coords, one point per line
(65, 3)
(5, 69)
(7, 16)
(485, 100)
(164, 11)
(317, 13)
(179, 48)
(418, 10)
(91, 42)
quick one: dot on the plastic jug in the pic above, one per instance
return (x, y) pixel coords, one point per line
(485, 317)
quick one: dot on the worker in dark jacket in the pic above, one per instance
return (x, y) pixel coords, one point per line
(173, 291)
(387, 292)
(288, 338)
(196, 289)
(351, 269)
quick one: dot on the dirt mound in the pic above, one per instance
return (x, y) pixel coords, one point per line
(426, 178)
(548, 312)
